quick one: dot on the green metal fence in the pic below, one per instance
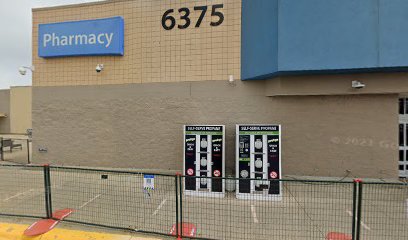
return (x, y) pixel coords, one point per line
(158, 203)
(384, 211)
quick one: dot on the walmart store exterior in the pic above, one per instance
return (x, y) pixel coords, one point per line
(169, 63)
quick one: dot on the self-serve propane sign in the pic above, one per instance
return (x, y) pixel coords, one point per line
(258, 168)
(82, 38)
(204, 160)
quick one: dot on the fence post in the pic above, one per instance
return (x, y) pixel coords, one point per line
(1, 149)
(177, 205)
(181, 204)
(28, 151)
(47, 187)
(353, 231)
(359, 186)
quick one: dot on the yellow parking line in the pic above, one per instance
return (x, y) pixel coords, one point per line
(15, 232)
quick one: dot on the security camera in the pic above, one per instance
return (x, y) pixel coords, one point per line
(22, 71)
(99, 68)
(357, 85)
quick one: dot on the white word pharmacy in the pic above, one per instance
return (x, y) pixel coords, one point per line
(54, 40)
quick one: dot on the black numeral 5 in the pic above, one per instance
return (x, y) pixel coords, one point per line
(220, 15)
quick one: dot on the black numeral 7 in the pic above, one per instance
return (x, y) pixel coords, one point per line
(203, 10)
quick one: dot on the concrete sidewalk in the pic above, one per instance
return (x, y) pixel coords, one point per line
(9, 231)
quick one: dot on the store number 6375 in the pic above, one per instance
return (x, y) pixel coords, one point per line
(169, 22)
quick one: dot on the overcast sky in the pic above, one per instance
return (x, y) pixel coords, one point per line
(15, 37)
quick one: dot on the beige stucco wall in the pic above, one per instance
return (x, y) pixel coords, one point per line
(5, 108)
(140, 126)
(20, 109)
(152, 54)
(340, 84)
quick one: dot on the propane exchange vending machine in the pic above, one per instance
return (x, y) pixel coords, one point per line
(258, 156)
(204, 156)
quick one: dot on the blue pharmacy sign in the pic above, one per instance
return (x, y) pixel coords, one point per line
(82, 38)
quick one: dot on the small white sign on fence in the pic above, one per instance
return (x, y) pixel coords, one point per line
(148, 182)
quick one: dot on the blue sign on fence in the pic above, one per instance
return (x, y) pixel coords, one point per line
(82, 38)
